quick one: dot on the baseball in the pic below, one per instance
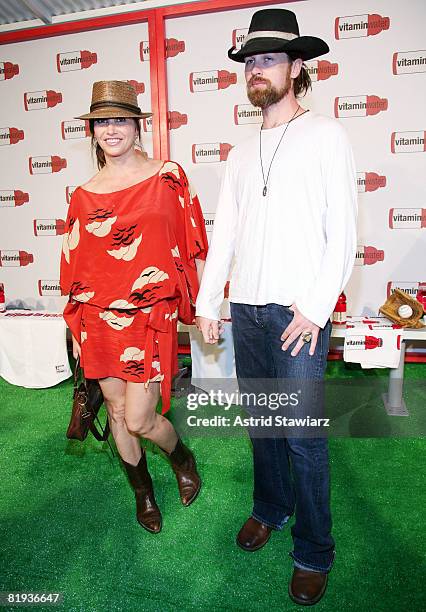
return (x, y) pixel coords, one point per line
(405, 311)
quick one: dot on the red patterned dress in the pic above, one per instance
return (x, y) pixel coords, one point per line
(128, 265)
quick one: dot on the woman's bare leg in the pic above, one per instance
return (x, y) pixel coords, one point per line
(128, 445)
(142, 419)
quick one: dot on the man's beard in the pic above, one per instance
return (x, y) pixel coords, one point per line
(270, 94)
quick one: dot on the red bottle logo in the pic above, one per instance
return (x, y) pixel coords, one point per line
(49, 287)
(368, 255)
(137, 86)
(46, 164)
(321, 70)
(246, 113)
(75, 60)
(8, 70)
(358, 26)
(49, 227)
(176, 120)
(408, 142)
(407, 218)
(174, 47)
(407, 62)
(10, 136)
(211, 80)
(15, 258)
(210, 152)
(359, 106)
(15, 197)
(36, 100)
(78, 128)
(369, 181)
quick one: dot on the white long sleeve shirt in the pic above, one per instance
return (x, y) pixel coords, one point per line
(298, 243)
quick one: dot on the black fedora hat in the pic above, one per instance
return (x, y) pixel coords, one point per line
(276, 30)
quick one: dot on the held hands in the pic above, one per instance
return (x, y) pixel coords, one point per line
(210, 329)
(299, 327)
(76, 348)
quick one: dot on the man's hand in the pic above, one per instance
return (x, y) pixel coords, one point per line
(299, 325)
(210, 329)
(76, 348)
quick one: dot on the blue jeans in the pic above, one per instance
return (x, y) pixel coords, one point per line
(291, 475)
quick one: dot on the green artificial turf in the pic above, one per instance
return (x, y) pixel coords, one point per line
(68, 525)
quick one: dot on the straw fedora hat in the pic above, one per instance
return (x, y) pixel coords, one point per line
(114, 99)
(277, 30)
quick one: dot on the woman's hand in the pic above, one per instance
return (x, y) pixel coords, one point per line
(76, 348)
(210, 329)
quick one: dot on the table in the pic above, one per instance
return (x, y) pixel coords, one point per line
(33, 348)
(393, 401)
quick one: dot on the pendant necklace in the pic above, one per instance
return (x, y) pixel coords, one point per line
(265, 183)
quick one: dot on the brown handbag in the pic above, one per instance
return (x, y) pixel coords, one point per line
(87, 400)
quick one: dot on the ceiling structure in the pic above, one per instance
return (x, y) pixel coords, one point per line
(15, 11)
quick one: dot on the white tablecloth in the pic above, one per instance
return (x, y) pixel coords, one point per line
(33, 349)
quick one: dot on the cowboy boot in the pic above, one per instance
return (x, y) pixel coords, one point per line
(185, 469)
(147, 512)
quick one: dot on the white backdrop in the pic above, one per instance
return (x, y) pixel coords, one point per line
(53, 85)
(373, 79)
(375, 84)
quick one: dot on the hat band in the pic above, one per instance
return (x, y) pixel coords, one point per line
(270, 34)
(129, 107)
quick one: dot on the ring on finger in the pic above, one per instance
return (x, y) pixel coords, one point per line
(306, 336)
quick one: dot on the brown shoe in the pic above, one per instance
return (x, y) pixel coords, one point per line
(253, 535)
(306, 588)
(147, 512)
(185, 469)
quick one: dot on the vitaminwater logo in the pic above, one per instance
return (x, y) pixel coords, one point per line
(321, 70)
(137, 86)
(407, 218)
(246, 113)
(78, 128)
(75, 60)
(173, 48)
(36, 100)
(363, 342)
(69, 190)
(209, 222)
(407, 62)
(359, 106)
(144, 51)
(46, 164)
(15, 197)
(211, 80)
(15, 258)
(176, 120)
(357, 26)
(369, 181)
(238, 37)
(8, 70)
(210, 152)
(408, 142)
(49, 227)
(368, 255)
(10, 136)
(412, 288)
(49, 287)
(147, 124)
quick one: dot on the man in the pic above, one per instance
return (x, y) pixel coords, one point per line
(287, 216)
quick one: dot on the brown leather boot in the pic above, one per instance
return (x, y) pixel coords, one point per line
(147, 512)
(185, 469)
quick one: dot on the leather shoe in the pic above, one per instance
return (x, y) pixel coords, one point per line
(306, 588)
(253, 535)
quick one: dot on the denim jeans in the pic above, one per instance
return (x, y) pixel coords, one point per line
(291, 475)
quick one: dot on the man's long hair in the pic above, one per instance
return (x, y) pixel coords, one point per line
(302, 83)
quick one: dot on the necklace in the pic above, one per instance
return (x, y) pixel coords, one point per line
(265, 183)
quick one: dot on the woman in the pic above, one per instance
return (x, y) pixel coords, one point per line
(134, 240)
